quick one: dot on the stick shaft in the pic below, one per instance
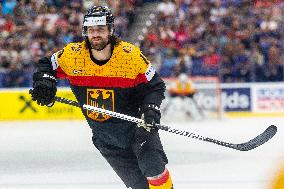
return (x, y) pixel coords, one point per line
(255, 142)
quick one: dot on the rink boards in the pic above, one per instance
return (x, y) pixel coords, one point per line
(237, 100)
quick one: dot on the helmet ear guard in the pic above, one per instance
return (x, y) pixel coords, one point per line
(111, 29)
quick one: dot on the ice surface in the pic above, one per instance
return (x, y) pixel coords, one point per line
(60, 154)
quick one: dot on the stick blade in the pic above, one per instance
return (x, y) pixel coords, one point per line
(257, 141)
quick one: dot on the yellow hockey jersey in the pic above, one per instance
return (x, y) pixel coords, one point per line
(124, 83)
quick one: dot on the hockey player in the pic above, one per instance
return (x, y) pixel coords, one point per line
(112, 74)
(183, 88)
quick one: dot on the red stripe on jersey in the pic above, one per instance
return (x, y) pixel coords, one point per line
(60, 73)
(140, 79)
(105, 81)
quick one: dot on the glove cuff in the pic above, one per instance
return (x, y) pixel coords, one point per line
(154, 107)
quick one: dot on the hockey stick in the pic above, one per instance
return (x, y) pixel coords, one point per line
(253, 143)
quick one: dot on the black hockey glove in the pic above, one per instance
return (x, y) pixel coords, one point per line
(44, 88)
(151, 115)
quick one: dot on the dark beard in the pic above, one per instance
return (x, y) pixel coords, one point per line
(99, 46)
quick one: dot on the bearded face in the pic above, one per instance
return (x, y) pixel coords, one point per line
(98, 37)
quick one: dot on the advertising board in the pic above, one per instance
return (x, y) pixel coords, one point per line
(18, 105)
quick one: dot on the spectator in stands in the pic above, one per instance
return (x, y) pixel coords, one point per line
(217, 12)
(37, 27)
(257, 60)
(242, 66)
(8, 7)
(211, 62)
(166, 9)
(274, 55)
(183, 66)
(14, 76)
(247, 36)
(168, 64)
(226, 70)
(181, 35)
(166, 35)
(8, 25)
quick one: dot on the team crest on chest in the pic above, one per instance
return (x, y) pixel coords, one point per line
(127, 49)
(100, 98)
(76, 47)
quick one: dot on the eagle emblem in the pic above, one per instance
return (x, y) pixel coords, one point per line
(100, 98)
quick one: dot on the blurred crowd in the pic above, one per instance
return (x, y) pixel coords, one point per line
(30, 29)
(235, 40)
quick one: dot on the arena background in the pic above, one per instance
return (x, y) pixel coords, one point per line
(233, 47)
